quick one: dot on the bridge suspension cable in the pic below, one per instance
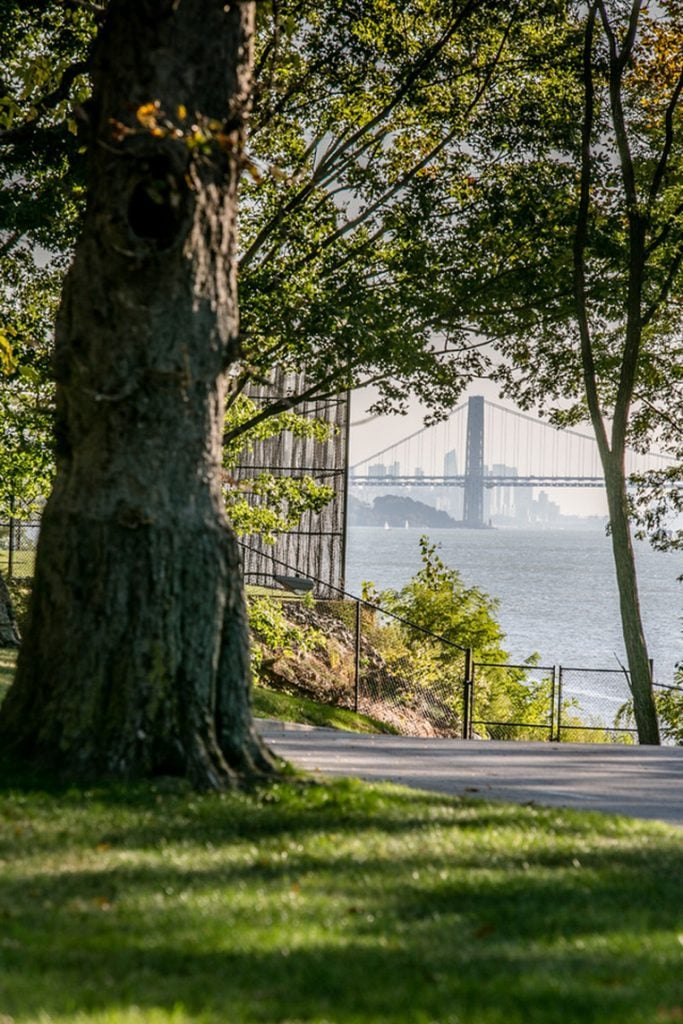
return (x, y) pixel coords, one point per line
(517, 445)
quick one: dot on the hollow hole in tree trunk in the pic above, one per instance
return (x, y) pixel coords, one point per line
(156, 208)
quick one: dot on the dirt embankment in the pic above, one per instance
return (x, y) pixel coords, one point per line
(327, 672)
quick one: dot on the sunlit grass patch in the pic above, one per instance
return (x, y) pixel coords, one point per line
(8, 660)
(288, 708)
(330, 903)
(23, 562)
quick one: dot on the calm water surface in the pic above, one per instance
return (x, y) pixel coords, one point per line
(556, 588)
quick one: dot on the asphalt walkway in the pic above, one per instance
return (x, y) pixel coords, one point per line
(642, 782)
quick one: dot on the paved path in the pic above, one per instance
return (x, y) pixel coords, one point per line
(643, 782)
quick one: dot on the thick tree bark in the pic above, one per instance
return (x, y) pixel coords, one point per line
(135, 659)
(9, 631)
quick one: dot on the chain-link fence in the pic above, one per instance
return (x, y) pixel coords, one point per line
(18, 541)
(436, 688)
(362, 666)
(432, 688)
(593, 706)
(508, 702)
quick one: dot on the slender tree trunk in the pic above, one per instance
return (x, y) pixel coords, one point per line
(645, 712)
(612, 456)
(135, 659)
(9, 631)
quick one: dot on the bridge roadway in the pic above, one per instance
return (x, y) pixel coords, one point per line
(486, 481)
(641, 782)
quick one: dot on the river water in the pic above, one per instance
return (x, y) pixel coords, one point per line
(556, 588)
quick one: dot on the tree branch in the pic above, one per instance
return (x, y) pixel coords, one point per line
(636, 227)
(360, 139)
(580, 242)
(26, 129)
(284, 404)
(660, 170)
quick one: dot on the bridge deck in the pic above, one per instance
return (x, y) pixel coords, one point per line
(486, 481)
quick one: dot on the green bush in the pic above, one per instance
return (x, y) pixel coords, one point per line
(437, 619)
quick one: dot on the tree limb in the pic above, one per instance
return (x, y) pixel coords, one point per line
(24, 131)
(580, 241)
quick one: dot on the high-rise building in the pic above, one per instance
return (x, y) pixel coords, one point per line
(452, 498)
(502, 497)
(450, 463)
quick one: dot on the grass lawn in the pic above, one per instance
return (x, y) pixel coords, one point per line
(7, 662)
(286, 708)
(330, 904)
(23, 564)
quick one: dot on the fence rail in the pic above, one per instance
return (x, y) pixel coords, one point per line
(476, 699)
(18, 540)
(553, 703)
(560, 705)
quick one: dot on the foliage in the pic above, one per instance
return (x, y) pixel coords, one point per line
(357, 105)
(43, 54)
(657, 505)
(269, 504)
(437, 618)
(273, 631)
(669, 703)
(566, 249)
(354, 106)
(670, 709)
(27, 296)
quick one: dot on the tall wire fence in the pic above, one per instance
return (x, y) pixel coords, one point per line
(370, 669)
(18, 541)
(466, 698)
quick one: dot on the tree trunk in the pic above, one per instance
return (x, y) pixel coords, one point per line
(9, 631)
(645, 712)
(135, 659)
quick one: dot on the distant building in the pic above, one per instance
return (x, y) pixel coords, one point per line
(547, 511)
(524, 501)
(453, 496)
(503, 498)
(450, 463)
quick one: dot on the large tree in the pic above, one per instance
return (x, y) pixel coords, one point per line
(566, 251)
(135, 657)
(353, 102)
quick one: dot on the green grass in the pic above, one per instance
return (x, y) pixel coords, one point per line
(287, 708)
(8, 660)
(342, 903)
(331, 904)
(23, 565)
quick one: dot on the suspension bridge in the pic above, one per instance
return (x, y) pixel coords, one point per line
(483, 446)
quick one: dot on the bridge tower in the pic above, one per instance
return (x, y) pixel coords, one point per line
(473, 511)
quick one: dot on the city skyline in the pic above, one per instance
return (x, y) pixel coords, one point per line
(372, 433)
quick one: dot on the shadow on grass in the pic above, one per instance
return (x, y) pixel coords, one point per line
(339, 903)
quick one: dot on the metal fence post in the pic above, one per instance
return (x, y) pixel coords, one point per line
(553, 696)
(10, 552)
(559, 705)
(467, 696)
(356, 670)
